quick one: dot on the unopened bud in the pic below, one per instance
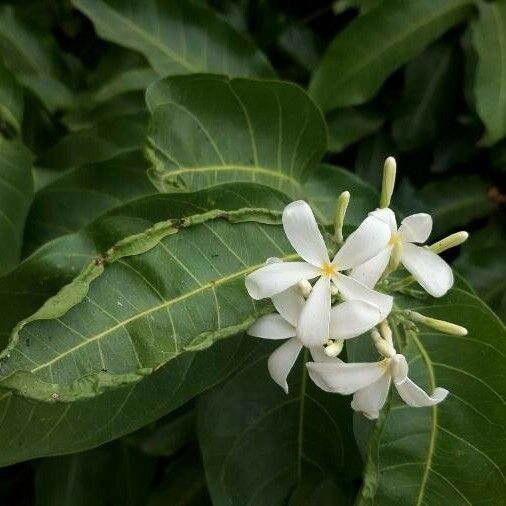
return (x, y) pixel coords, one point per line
(441, 325)
(451, 241)
(333, 347)
(333, 290)
(386, 332)
(384, 347)
(341, 207)
(387, 186)
(304, 287)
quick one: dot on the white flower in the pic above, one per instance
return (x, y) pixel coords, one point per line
(370, 382)
(430, 270)
(302, 231)
(347, 320)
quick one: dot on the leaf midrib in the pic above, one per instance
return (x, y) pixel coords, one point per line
(123, 323)
(155, 42)
(394, 41)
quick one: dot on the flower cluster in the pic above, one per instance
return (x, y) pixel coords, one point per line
(345, 301)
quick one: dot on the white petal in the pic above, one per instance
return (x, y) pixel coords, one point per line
(387, 216)
(289, 304)
(276, 277)
(371, 399)
(414, 396)
(367, 241)
(281, 361)
(369, 272)
(345, 378)
(353, 318)
(303, 233)
(430, 270)
(416, 228)
(351, 289)
(272, 326)
(319, 355)
(313, 325)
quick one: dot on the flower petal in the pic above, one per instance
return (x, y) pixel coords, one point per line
(414, 396)
(430, 270)
(351, 289)
(416, 228)
(281, 361)
(386, 215)
(276, 277)
(272, 326)
(371, 399)
(345, 378)
(303, 233)
(313, 324)
(353, 318)
(289, 304)
(369, 272)
(367, 241)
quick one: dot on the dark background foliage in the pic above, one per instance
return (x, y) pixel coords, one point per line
(430, 112)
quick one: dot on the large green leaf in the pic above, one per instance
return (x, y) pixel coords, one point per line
(324, 186)
(104, 140)
(11, 103)
(30, 429)
(114, 475)
(453, 203)
(85, 193)
(453, 450)
(179, 279)
(489, 40)
(269, 441)
(428, 96)
(268, 132)
(176, 36)
(349, 125)
(34, 59)
(16, 193)
(374, 45)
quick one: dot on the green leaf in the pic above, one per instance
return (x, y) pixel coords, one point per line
(175, 36)
(374, 45)
(85, 193)
(371, 156)
(418, 456)
(170, 435)
(349, 125)
(31, 429)
(137, 79)
(453, 203)
(482, 263)
(34, 59)
(16, 193)
(11, 103)
(115, 475)
(326, 184)
(102, 141)
(489, 41)
(428, 97)
(268, 132)
(181, 279)
(268, 440)
(183, 483)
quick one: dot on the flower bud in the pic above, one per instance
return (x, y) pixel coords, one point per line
(341, 207)
(387, 187)
(441, 325)
(304, 288)
(333, 347)
(451, 241)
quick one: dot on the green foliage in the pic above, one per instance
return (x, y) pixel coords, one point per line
(147, 149)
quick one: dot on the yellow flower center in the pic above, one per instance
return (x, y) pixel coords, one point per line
(328, 270)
